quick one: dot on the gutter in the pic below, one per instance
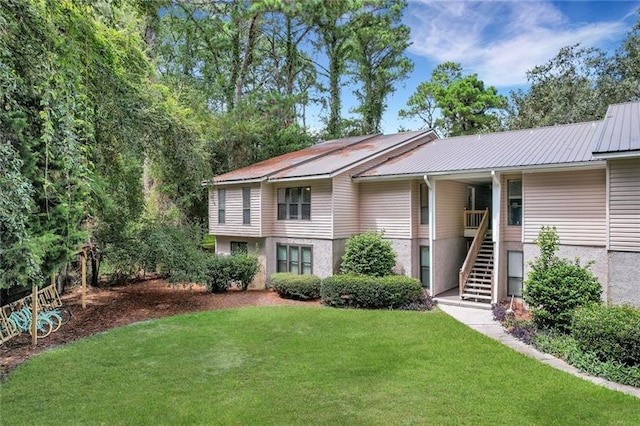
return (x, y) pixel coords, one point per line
(592, 164)
(617, 155)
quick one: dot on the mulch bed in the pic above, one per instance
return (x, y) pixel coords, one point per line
(117, 306)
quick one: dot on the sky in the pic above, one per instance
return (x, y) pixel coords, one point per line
(500, 40)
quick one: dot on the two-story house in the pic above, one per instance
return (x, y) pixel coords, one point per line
(462, 213)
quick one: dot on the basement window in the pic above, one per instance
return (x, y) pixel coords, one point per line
(294, 259)
(515, 272)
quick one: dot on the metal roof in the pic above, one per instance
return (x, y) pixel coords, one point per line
(557, 145)
(320, 159)
(620, 131)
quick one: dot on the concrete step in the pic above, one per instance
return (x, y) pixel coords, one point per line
(476, 296)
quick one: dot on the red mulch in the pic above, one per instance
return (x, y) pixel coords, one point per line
(117, 306)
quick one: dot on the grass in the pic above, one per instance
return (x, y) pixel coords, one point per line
(284, 365)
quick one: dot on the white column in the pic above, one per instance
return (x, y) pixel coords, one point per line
(495, 225)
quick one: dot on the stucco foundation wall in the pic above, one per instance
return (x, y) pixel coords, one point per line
(586, 254)
(322, 254)
(624, 278)
(404, 255)
(338, 252)
(448, 256)
(256, 246)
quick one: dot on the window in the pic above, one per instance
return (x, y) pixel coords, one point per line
(294, 203)
(424, 204)
(222, 202)
(294, 259)
(246, 206)
(238, 247)
(514, 198)
(425, 266)
(515, 269)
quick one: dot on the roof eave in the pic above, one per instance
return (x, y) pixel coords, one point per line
(593, 164)
(616, 155)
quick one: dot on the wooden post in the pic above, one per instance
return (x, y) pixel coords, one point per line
(83, 267)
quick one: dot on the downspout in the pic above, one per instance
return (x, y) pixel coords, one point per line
(432, 228)
(495, 231)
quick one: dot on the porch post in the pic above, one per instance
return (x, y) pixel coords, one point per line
(432, 228)
(495, 231)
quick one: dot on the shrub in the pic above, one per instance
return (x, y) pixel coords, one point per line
(555, 287)
(361, 291)
(368, 254)
(300, 287)
(426, 303)
(223, 271)
(610, 333)
(566, 347)
(521, 329)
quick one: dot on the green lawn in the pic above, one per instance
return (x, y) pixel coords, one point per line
(284, 365)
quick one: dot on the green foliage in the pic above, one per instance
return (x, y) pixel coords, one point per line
(377, 54)
(224, 271)
(368, 254)
(555, 286)
(610, 333)
(172, 251)
(466, 106)
(361, 291)
(578, 84)
(293, 286)
(82, 110)
(566, 347)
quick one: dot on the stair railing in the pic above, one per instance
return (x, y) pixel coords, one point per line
(471, 218)
(467, 266)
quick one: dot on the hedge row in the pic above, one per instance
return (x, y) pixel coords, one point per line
(360, 291)
(610, 333)
(299, 287)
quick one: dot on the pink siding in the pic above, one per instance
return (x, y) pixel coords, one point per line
(320, 225)
(233, 211)
(624, 205)
(451, 198)
(386, 206)
(507, 232)
(345, 206)
(572, 201)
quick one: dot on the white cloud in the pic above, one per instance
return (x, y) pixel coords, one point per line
(499, 41)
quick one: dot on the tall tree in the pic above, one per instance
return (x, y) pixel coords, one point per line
(79, 111)
(464, 104)
(578, 84)
(333, 21)
(378, 57)
(564, 90)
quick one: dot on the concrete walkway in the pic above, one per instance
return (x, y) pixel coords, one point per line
(482, 320)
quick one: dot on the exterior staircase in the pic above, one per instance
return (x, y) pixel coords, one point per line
(477, 286)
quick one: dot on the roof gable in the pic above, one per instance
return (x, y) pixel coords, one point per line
(321, 159)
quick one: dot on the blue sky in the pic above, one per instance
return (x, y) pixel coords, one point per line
(500, 40)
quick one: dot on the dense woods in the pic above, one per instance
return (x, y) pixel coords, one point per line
(113, 112)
